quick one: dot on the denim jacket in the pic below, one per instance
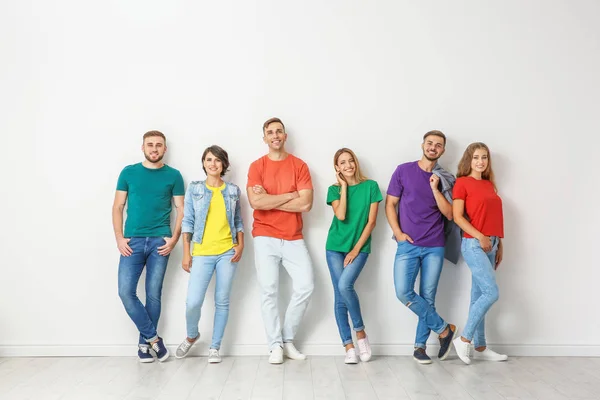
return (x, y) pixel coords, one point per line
(452, 232)
(197, 202)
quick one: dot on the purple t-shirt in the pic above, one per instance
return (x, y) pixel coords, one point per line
(418, 214)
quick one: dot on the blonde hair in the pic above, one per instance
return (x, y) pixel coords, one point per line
(358, 175)
(464, 165)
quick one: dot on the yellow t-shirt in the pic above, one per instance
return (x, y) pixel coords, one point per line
(217, 233)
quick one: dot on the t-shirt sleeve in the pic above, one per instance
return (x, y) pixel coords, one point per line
(459, 191)
(395, 187)
(375, 193)
(333, 194)
(304, 179)
(254, 175)
(122, 181)
(178, 187)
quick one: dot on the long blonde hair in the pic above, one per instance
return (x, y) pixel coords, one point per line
(464, 165)
(358, 175)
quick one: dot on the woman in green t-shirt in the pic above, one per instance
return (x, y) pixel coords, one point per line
(355, 201)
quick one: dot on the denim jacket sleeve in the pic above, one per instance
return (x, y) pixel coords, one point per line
(237, 218)
(187, 225)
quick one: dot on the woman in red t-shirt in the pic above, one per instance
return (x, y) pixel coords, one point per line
(477, 209)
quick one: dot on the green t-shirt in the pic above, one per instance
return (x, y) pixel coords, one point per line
(149, 194)
(343, 235)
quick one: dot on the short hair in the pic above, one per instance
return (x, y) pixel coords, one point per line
(154, 134)
(270, 121)
(435, 133)
(220, 154)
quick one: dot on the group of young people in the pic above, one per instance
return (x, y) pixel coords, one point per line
(433, 215)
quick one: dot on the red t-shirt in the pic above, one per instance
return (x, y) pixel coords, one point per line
(279, 177)
(483, 206)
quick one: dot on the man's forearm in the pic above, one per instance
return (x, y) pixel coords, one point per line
(296, 205)
(392, 216)
(117, 219)
(270, 201)
(443, 204)
(177, 230)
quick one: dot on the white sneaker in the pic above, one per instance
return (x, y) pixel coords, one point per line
(364, 349)
(292, 352)
(463, 350)
(351, 357)
(276, 356)
(213, 356)
(489, 355)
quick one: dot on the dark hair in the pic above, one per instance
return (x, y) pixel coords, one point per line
(270, 121)
(220, 154)
(152, 134)
(435, 133)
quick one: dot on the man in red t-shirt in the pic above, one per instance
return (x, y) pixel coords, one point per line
(280, 190)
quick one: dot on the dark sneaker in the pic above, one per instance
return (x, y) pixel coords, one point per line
(446, 342)
(144, 353)
(421, 357)
(161, 351)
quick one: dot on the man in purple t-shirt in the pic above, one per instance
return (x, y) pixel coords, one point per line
(419, 230)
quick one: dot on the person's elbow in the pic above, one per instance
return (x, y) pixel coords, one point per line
(306, 207)
(340, 217)
(449, 215)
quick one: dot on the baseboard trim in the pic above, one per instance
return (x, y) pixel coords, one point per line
(308, 348)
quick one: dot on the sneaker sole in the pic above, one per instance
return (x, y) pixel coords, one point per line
(351, 362)
(146, 360)
(423, 362)
(445, 355)
(295, 358)
(214, 361)
(164, 357)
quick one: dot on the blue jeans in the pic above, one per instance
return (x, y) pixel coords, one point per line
(145, 254)
(346, 299)
(202, 271)
(429, 260)
(484, 290)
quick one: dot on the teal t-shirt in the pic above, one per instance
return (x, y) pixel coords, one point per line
(149, 194)
(343, 235)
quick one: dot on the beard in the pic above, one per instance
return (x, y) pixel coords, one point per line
(430, 158)
(148, 157)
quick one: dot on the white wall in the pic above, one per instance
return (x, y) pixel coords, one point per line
(81, 82)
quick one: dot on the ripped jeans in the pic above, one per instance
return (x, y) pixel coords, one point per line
(411, 259)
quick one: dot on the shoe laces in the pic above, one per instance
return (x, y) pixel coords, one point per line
(155, 347)
(363, 345)
(213, 353)
(144, 349)
(469, 350)
(185, 346)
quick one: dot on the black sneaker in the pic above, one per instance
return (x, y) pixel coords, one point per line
(446, 342)
(421, 357)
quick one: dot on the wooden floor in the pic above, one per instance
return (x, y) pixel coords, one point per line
(543, 378)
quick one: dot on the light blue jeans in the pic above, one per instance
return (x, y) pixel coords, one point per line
(484, 290)
(429, 260)
(345, 297)
(202, 271)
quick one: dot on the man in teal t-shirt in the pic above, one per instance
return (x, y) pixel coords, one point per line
(148, 189)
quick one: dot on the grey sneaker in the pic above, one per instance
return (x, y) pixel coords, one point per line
(213, 356)
(184, 348)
